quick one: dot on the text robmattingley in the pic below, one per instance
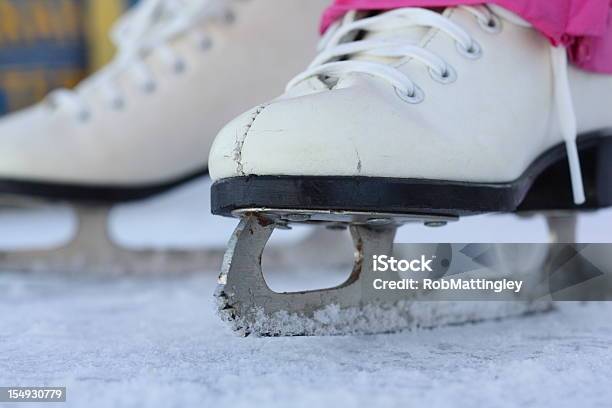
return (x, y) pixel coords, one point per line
(496, 286)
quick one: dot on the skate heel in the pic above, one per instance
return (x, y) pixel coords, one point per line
(552, 189)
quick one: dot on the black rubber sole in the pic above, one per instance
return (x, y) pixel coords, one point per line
(545, 185)
(92, 194)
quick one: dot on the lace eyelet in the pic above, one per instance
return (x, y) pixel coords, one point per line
(449, 75)
(491, 26)
(118, 104)
(473, 52)
(149, 87)
(84, 116)
(205, 43)
(229, 17)
(179, 66)
(417, 97)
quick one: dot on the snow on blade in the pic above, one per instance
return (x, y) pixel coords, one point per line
(380, 318)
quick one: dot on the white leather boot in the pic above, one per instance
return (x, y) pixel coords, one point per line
(409, 115)
(146, 121)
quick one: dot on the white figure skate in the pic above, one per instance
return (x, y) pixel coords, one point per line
(145, 123)
(408, 116)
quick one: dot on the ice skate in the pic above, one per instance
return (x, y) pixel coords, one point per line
(144, 124)
(408, 116)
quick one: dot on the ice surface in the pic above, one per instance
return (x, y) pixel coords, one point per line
(158, 343)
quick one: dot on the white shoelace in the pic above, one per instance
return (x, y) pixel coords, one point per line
(339, 44)
(145, 29)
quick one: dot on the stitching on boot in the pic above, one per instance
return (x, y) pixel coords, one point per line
(240, 139)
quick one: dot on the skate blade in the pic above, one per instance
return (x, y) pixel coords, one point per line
(247, 303)
(70, 260)
(92, 251)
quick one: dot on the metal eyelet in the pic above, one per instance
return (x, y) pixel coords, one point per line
(492, 26)
(118, 104)
(180, 66)
(205, 43)
(84, 116)
(149, 87)
(229, 17)
(417, 97)
(449, 75)
(473, 52)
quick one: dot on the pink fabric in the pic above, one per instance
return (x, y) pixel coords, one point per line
(584, 26)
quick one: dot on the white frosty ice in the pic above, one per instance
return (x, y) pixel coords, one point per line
(158, 343)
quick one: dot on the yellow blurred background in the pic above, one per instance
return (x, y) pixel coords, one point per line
(45, 44)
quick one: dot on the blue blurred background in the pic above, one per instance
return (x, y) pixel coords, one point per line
(46, 44)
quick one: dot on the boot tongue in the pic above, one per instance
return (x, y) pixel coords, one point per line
(148, 18)
(410, 35)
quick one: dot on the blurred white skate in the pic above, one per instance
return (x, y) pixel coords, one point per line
(144, 124)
